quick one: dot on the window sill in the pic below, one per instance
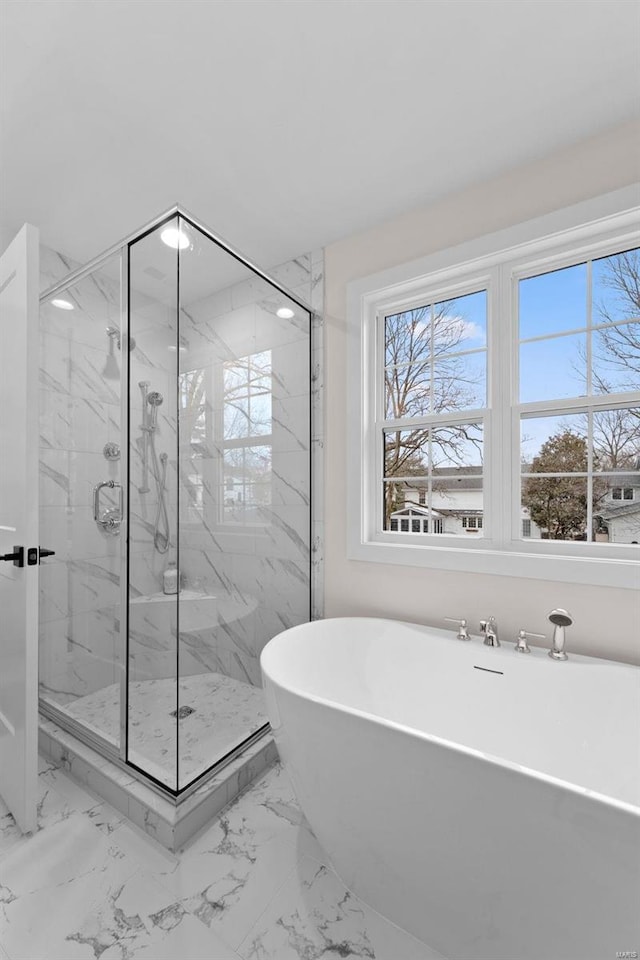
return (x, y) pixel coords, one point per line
(507, 562)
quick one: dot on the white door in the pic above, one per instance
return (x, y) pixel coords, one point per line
(19, 308)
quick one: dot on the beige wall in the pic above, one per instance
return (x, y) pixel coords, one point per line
(606, 621)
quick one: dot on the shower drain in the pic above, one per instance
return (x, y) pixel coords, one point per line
(182, 712)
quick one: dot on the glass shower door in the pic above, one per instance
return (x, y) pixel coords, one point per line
(80, 500)
(225, 473)
(244, 497)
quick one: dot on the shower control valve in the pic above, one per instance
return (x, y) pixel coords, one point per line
(521, 641)
(111, 451)
(110, 520)
(463, 633)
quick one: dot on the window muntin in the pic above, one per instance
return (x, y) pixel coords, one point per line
(435, 367)
(435, 357)
(548, 368)
(245, 482)
(553, 302)
(193, 397)
(435, 471)
(615, 290)
(579, 349)
(247, 396)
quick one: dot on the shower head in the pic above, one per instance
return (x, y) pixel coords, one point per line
(560, 618)
(111, 369)
(154, 399)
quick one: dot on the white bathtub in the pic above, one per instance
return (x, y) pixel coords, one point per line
(492, 815)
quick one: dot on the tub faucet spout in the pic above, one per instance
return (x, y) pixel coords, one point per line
(490, 629)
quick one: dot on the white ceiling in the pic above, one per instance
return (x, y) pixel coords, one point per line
(287, 124)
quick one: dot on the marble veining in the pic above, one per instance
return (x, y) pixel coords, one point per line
(253, 884)
(225, 711)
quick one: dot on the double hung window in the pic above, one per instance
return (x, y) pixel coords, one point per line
(499, 401)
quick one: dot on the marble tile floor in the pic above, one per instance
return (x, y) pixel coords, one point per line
(225, 712)
(253, 885)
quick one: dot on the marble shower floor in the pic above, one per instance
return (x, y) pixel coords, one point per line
(254, 885)
(225, 712)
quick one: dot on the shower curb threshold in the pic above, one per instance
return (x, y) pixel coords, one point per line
(171, 824)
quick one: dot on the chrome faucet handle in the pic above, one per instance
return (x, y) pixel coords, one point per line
(490, 629)
(463, 633)
(521, 642)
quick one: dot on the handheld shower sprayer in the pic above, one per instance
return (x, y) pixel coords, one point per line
(560, 619)
(150, 403)
(154, 399)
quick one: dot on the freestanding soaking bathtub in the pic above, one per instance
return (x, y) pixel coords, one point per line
(486, 801)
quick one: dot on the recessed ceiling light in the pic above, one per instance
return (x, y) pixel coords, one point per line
(285, 313)
(62, 304)
(175, 238)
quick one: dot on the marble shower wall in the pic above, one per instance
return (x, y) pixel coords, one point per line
(265, 567)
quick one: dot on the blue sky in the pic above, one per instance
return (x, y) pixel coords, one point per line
(553, 302)
(554, 368)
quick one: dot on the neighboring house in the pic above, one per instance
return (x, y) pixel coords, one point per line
(456, 506)
(619, 513)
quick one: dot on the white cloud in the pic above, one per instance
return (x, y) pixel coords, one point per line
(468, 330)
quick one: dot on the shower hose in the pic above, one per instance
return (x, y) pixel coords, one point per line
(161, 525)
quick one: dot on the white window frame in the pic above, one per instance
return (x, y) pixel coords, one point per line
(495, 262)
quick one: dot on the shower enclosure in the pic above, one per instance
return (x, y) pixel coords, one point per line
(175, 490)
